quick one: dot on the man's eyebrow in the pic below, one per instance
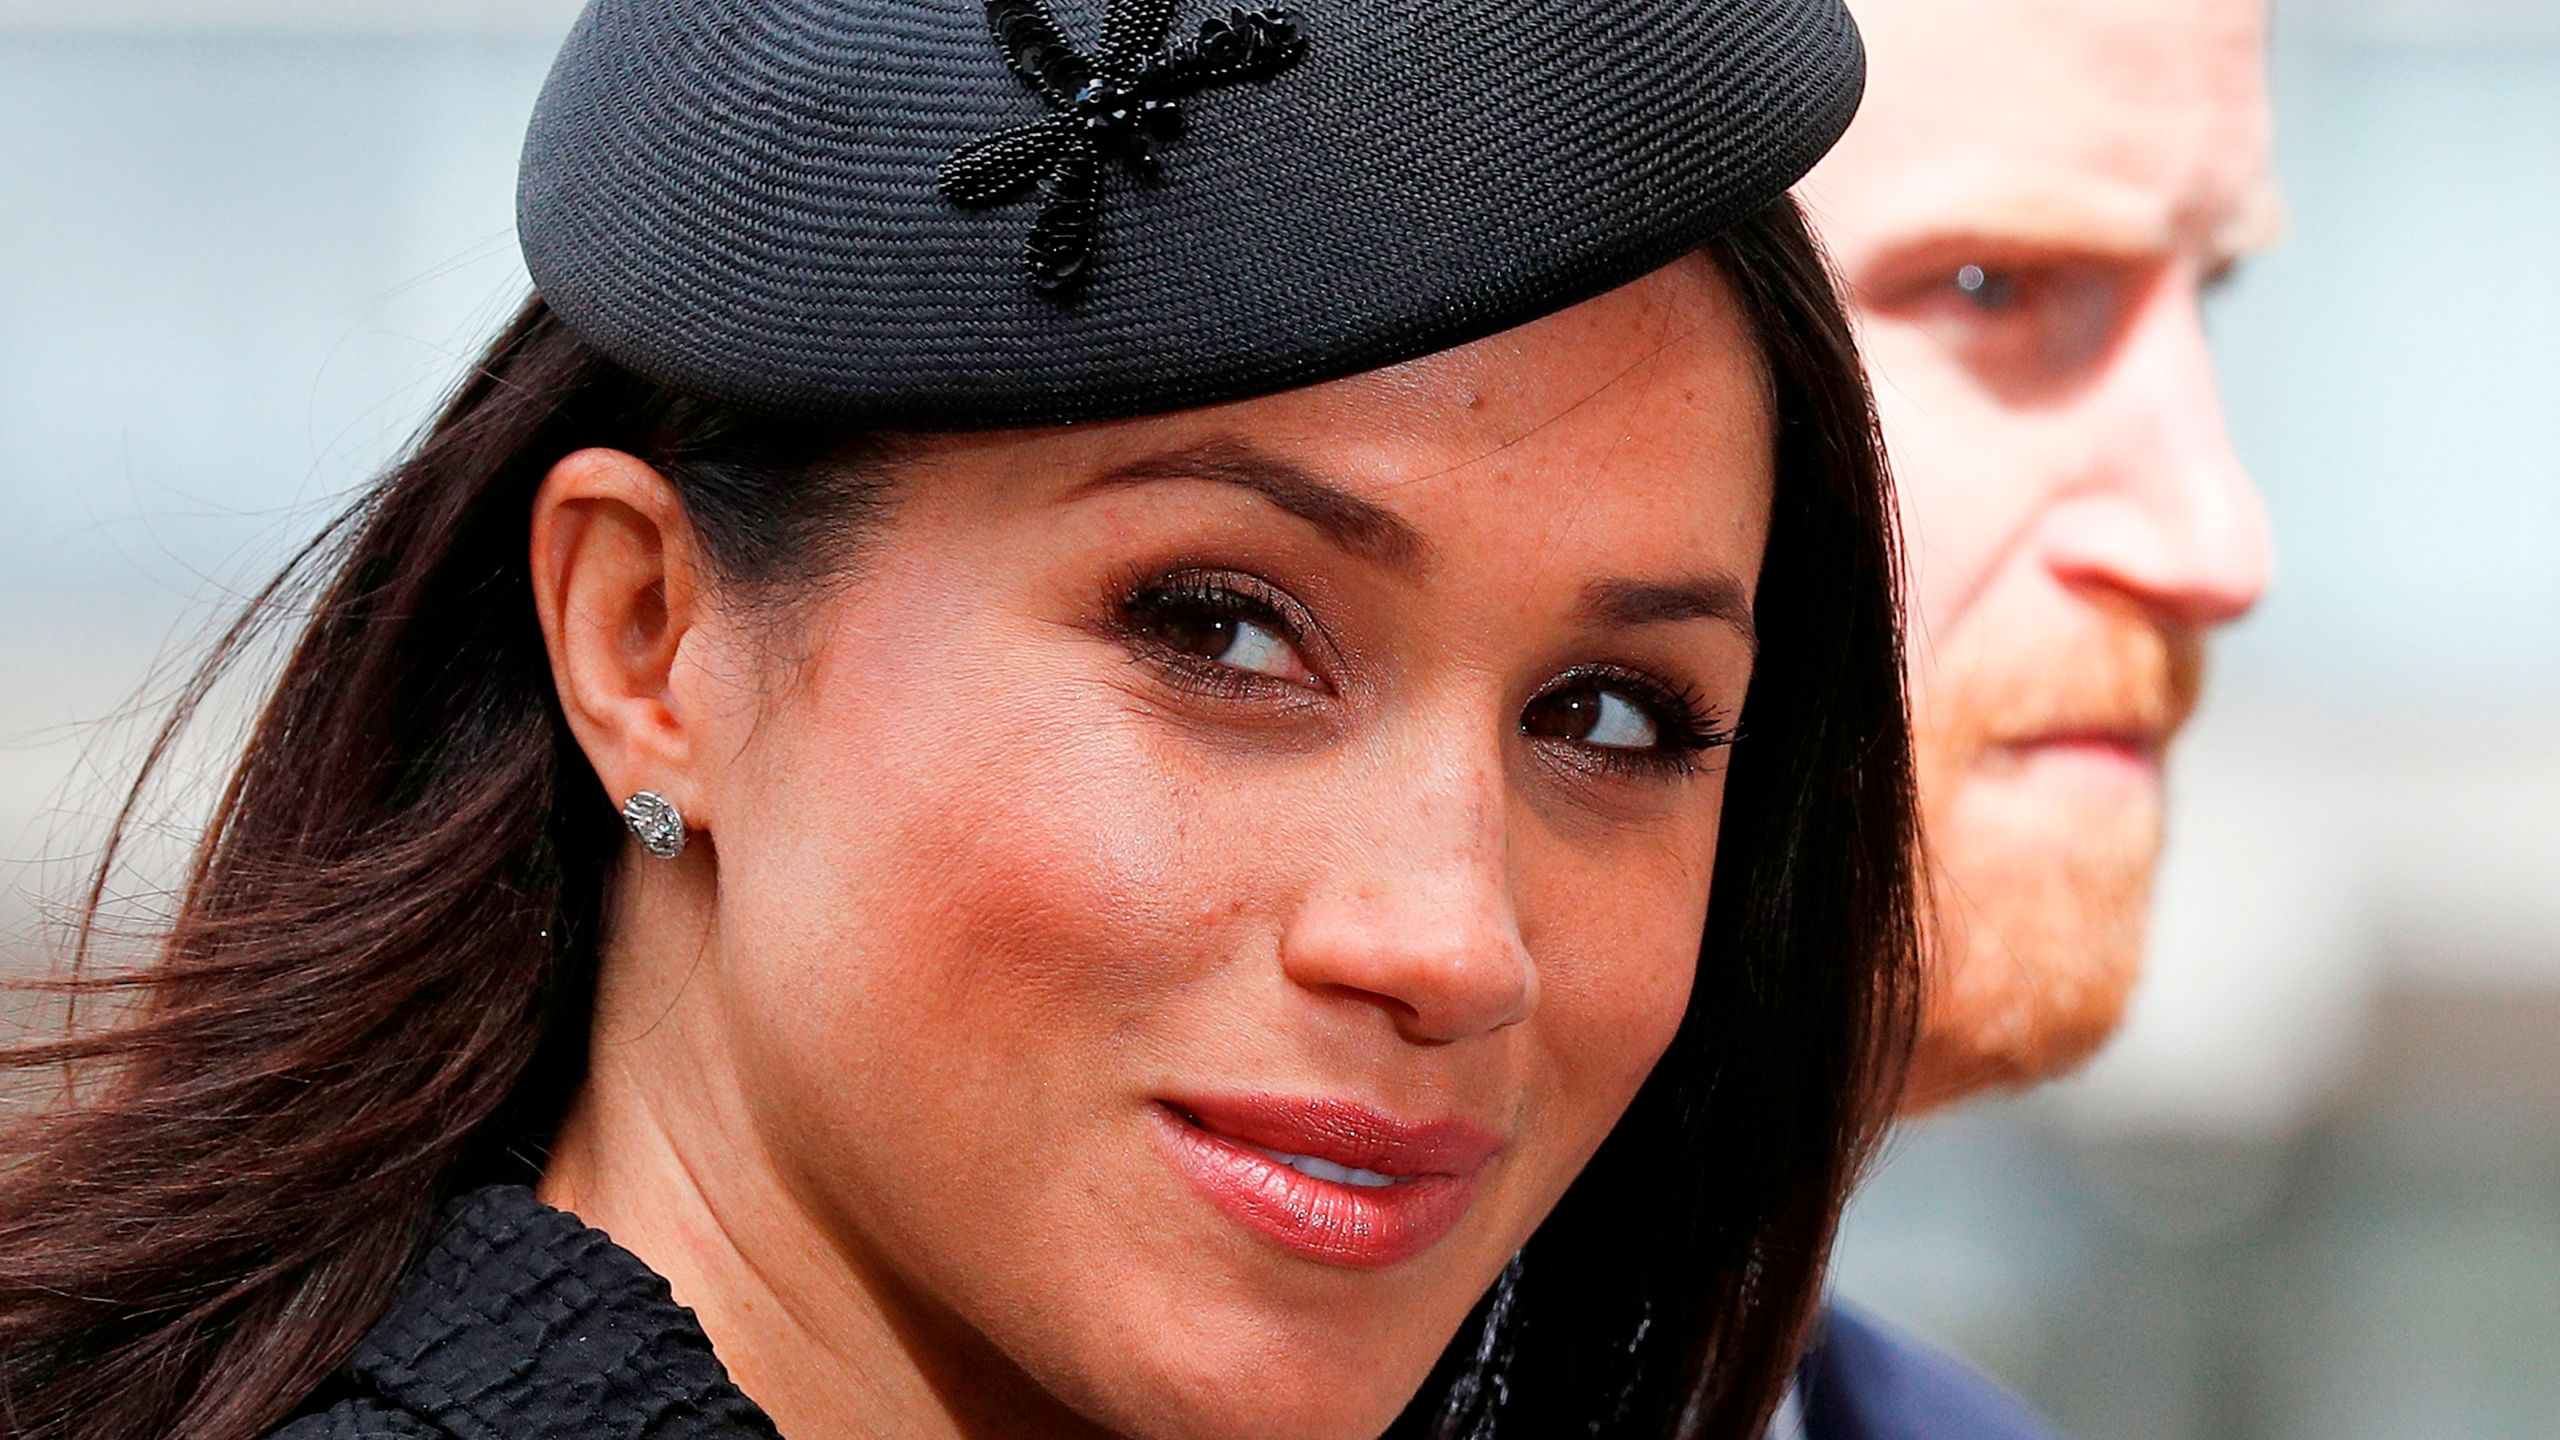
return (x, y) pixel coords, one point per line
(1366, 529)
(1714, 596)
(2029, 224)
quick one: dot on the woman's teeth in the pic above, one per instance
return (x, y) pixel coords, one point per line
(1315, 1169)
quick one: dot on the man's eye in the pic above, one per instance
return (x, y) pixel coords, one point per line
(1990, 290)
(1220, 627)
(1591, 715)
(2021, 328)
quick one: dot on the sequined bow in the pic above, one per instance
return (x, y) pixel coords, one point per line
(1122, 102)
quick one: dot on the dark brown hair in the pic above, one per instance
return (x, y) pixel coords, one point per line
(375, 989)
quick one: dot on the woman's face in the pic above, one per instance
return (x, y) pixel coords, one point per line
(1332, 775)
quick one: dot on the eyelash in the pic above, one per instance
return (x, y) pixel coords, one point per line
(1687, 726)
(1151, 596)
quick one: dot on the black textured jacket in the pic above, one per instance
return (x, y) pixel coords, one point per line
(523, 1324)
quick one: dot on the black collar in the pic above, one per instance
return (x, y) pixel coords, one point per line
(522, 1322)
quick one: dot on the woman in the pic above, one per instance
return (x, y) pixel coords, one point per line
(889, 830)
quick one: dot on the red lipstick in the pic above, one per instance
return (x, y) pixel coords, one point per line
(1329, 1180)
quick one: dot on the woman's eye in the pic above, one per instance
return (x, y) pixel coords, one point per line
(1626, 724)
(1591, 715)
(1233, 631)
(1235, 643)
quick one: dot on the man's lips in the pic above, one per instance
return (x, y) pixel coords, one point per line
(2133, 749)
(2144, 743)
(1332, 1181)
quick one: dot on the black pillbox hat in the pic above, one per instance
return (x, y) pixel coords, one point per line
(960, 214)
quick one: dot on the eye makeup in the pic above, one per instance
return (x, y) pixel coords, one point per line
(1220, 632)
(1233, 636)
(1579, 704)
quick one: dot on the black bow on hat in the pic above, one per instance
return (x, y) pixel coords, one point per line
(1125, 101)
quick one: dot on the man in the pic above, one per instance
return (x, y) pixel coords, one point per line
(2028, 211)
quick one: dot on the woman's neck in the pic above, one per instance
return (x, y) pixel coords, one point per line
(818, 1332)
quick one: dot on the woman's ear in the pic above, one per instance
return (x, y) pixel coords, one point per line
(616, 582)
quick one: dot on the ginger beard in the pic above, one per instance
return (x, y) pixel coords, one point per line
(2039, 765)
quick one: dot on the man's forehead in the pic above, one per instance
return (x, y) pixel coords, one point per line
(2117, 125)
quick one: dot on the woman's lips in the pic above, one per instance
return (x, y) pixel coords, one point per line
(1329, 1180)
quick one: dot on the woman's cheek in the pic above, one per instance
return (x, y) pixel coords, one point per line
(1616, 977)
(1030, 870)
(965, 969)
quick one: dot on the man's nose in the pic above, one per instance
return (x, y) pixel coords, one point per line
(1417, 916)
(2167, 513)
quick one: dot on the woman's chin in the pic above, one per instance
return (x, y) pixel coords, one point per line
(1257, 1376)
(1244, 1400)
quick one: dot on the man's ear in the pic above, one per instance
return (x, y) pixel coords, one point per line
(616, 582)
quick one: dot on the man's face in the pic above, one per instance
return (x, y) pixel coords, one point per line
(2029, 208)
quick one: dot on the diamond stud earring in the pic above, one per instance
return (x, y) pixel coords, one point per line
(656, 823)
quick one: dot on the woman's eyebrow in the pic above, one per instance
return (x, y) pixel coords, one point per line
(1365, 528)
(1712, 596)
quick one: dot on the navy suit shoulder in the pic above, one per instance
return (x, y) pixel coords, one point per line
(1866, 1381)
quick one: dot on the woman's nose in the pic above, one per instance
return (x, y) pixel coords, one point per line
(1418, 919)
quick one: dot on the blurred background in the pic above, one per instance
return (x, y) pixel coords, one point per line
(2313, 1191)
